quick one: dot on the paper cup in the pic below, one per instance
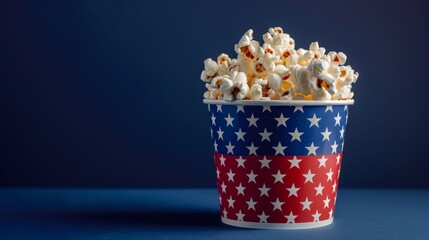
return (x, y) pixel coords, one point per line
(278, 162)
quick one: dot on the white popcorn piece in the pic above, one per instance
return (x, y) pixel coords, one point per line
(210, 70)
(217, 81)
(316, 50)
(256, 92)
(224, 58)
(273, 95)
(287, 95)
(234, 87)
(274, 81)
(305, 59)
(245, 65)
(321, 95)
(320, 79)
(337, 58)
(278, 40)
(247, 46)
(300, 78)
(282, 71)
(226, 65)
(343, 93)
(264, 63)
(289, 57)
(212, 93)
(260, 81)
(226, 89)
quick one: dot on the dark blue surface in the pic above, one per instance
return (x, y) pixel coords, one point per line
(107, 93)
(192, 214)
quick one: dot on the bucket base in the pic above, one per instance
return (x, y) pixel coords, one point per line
(285, 226)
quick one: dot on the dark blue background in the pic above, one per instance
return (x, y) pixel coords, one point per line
(107, 93)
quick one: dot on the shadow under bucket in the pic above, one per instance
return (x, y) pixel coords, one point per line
(278, 162)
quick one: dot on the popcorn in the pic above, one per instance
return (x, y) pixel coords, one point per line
(256, 92)
(210, 70)
(276, 71)
(234, 87)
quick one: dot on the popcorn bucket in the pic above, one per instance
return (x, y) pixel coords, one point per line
(278, 162)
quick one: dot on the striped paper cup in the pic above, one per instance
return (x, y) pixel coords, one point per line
(278, 162)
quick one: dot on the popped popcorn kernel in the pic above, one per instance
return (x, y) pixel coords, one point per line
(274, 70)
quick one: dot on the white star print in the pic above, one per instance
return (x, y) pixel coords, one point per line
(291, 217)
(252, 149)
(213, 119)
(222, 160)
(309, 176)
(312, 149)
(277, 204)
(252, 121)
(345, 108)
(294, 162)
(223, 187)
(225, 213)
(319, 189)
(230, 148)
(337, 119)
(342, 132)
(251, 204)
(217, 173)
(326, 134)
(263, 217)
(252, 177)
(220, 133)
(326, 202)
(347, 118)
(296, 135)
(329, 175)
(211, 132)
(266, 108)
(329, 108)
(230, 175)
(334, 147)
(229, 120)
(215, 146)
(316, 216)
(278, 177)
(219, 108)
(306, 204)
(220, 200)
(298, 108)
(240, 162)
(240, 216)
(240, 189)
(240, 135)
(264, 190)
(334, 187)
(279, 149)
(281, 120)
(330, 213)
(230, 202)
(322, 161)
(338, 159)
(314, 121)
(293, 190)
(208, 107)
(265, 135)
(240, 108)
(265, 162)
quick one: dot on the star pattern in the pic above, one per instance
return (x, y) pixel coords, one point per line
(277, 164)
